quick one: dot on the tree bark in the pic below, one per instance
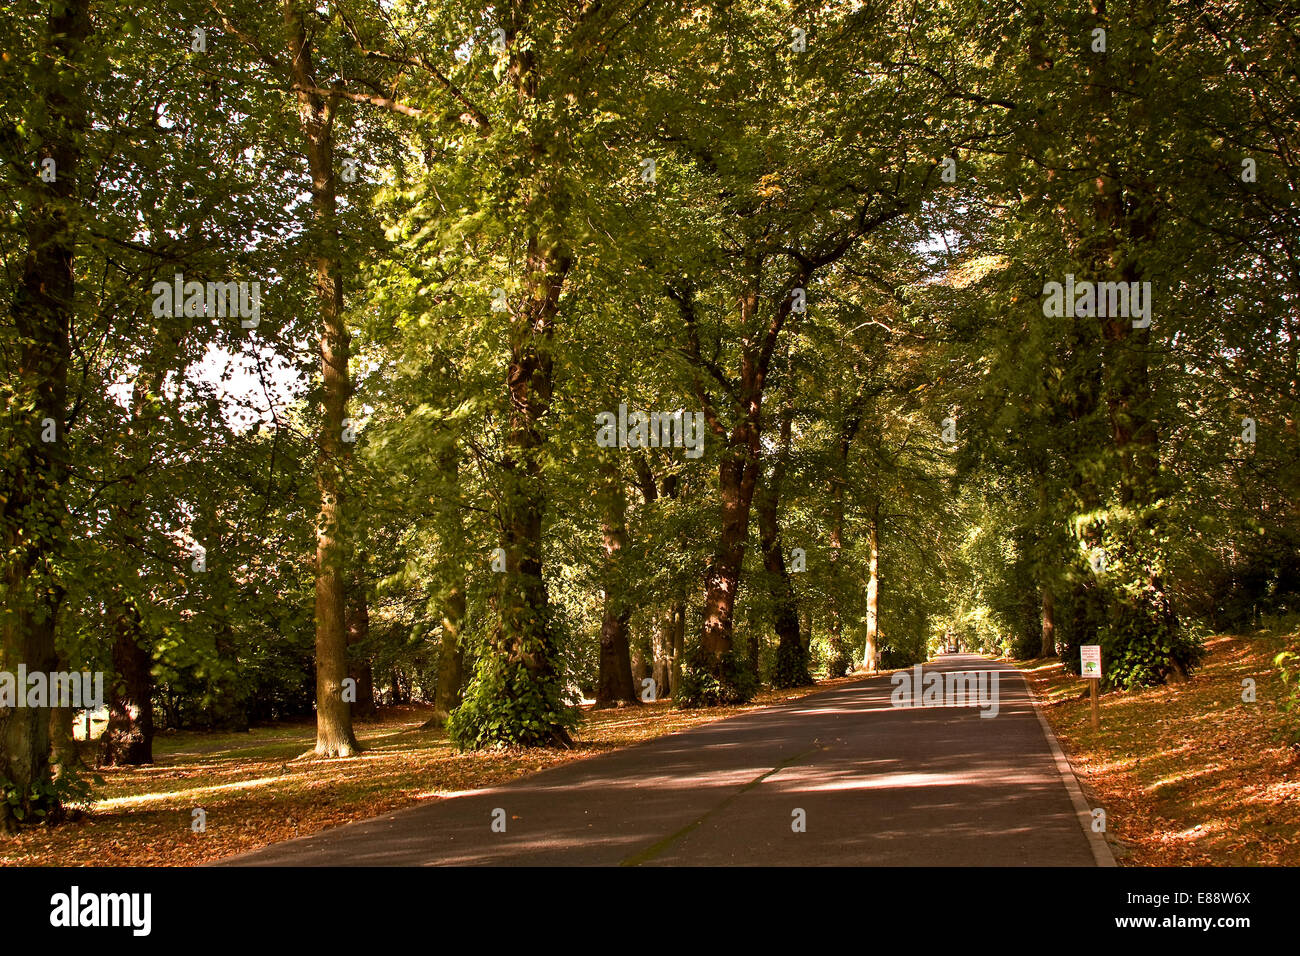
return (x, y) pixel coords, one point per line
(128, 739)
(839, 657)
(1127, 211)
(792, 665)
(523, 644)
(524, 637)
(870, 650)
(451, 658)
(1048, 647)
(33, 511)
(737, 479)
(614, 686)
(334, 735)
(739, 463)
(661, 644)
(678, 612)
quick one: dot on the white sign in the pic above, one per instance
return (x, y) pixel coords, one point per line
(1090, 660)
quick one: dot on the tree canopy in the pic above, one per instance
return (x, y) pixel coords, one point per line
(507, 356)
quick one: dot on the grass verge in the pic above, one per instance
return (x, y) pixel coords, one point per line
(1188, 774)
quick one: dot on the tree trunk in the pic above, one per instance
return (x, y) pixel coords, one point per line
(360, 669)
(1048, 647)
(792, 664)
(33, 511)
(738, 466)
(451, 659)
(524, 640)
(737, 476)
(128, 739)
(839, 658)
(520, 659)
(852, 420)
(1124, 216)
(334, 736)
(870, 651)
(614, 686)
(661, 644)
(401, 690)
(65, 757)
(678, 612)
(669, 630)
(451, 650)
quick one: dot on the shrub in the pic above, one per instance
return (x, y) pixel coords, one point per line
(1288, 663)
(734, 683)
(791, 667)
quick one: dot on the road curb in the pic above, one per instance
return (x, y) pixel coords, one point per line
(1100, 848)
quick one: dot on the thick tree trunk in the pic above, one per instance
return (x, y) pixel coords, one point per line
(128, 740)
(1124, 216)
(521, 656)
(614, 686)
(33, 512)
(792, 664)
(524, 638)
(870, 651)
(737, 477)
(738, 468)
(334, 736)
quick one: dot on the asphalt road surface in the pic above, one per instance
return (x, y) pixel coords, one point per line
(876, 784)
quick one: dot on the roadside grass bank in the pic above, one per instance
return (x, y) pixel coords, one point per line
(1188, 774)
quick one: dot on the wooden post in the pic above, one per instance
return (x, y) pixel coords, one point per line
(1092, 694)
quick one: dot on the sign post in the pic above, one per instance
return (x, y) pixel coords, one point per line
(1090, 668)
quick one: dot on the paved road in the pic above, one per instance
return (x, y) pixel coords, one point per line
(878, 785)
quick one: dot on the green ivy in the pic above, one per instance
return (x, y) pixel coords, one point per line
(734, 683)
